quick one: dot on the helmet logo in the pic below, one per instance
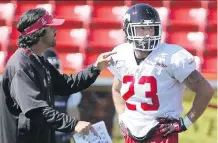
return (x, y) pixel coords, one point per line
(134, 12)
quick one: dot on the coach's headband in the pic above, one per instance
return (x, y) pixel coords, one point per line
(45, 20)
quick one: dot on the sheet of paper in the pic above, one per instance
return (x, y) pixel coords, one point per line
(91, 138)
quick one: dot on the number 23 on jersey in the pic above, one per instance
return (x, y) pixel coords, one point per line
(152, 94)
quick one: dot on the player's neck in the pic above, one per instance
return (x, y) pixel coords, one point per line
(141, 54)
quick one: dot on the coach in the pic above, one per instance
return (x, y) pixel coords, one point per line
(30, 82)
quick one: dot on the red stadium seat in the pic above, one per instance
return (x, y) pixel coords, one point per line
(211, 42)
(14, 35)
(4, 48)
(210, 64)
(75, 11)
(6, 13)
(2, 61)
(163, 12)
(164, 35)
(71, 39)
(4, 32)
(190, 40)
(153, 3)
(71, 61)
(187, 16)
(22, 7)
(212, 14)
(91, 58)
(185, 4)
(105, 38)
(107, 12)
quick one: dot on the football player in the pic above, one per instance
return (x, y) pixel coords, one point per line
(149, 81)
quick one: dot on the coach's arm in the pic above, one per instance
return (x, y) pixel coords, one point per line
(66, 85)
(204, 92)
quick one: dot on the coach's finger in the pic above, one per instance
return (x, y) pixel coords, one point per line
(107, 54)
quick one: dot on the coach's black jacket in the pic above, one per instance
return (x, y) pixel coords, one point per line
(26, 104)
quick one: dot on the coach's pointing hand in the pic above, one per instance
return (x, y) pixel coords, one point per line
(103, 60)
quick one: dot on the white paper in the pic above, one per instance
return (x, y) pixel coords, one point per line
(100, 128)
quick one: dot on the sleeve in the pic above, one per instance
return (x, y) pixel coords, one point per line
(114, 68)
(183, 64)
(115, 72)
(66, 85)
(54, 119)
(26, 92)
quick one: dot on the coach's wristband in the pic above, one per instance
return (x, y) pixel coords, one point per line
(187, 122)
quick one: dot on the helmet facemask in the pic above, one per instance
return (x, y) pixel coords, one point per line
(144, 42)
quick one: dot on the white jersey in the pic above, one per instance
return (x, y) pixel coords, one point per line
(153, 88)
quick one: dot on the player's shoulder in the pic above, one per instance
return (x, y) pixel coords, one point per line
(171, 48)
(175, 54)
(173, 51)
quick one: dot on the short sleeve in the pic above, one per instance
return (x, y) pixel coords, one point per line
(114, 71)
(26, 92)
(113, 67)
(183, 64)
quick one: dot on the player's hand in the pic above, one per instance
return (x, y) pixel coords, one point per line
(104, 60)
(83, 128)
(167, 127)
